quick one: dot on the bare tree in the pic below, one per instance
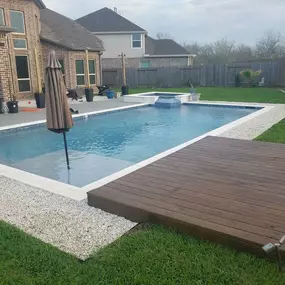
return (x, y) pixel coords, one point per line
(243, 53)
(194, 48)
(161, 36)
(270, 46)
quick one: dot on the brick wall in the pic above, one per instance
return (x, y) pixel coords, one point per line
(168, 62)
(32, 31)
(109, 63)
(32, 26)
(69, 58)
(5, 71)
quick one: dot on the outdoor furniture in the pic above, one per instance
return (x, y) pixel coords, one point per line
(72, 93)
(102, 89)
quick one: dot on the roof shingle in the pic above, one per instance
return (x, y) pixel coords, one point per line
(164, 47)
(106, 20)
(62, 31)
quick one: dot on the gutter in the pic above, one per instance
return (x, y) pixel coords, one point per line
(121, 32)
(100, 67)
(41, 4)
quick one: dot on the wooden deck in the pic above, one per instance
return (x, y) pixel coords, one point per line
(228, 191)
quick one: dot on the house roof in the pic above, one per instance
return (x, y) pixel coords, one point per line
(164, 47)
(41, 4)
(62, 31)
(106, 20)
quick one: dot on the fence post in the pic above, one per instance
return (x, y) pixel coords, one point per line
(226, 75)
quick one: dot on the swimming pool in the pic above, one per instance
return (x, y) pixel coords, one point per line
(104, 144)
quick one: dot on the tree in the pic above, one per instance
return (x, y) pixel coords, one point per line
(243, 53)
(162, 36)
(270, 46)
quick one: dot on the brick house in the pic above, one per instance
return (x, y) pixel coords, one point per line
(121, 35)
(28, 32)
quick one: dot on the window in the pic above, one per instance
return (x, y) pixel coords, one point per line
(61, 61)
(2, 22)
(92, 71)
(80, 74)
(20, 44)
(17, 21)
(144, 64)
(23, 75)
(136, 40)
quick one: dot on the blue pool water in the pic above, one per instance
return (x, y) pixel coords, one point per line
(102, 145)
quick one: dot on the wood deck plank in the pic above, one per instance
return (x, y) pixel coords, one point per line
(228, 191)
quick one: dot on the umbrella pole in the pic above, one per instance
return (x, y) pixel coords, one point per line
(66, 150)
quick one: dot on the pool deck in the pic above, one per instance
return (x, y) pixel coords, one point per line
(224, 190)
(100, 103)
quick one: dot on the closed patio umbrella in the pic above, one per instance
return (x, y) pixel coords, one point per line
(59, 118)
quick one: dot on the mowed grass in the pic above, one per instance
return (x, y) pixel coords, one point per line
(150, 256)
(260, 95)
(275, 134)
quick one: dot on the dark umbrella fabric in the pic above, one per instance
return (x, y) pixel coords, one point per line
(59, 119)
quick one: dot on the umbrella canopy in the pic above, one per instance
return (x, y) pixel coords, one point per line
(59, 118)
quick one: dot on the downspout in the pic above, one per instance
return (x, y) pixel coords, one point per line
(100, 67)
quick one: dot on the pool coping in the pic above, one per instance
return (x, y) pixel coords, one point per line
(80, 193)
(151, 98)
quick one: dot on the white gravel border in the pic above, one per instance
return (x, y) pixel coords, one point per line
(72, 226)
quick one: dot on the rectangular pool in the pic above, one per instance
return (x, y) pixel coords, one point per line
(103, 144)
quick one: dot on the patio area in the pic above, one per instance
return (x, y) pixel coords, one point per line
(34, 114)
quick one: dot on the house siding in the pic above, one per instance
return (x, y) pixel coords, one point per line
(115, 44)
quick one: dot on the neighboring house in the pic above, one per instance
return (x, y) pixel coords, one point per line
(28, 31)
(165, 53)
(120, 35)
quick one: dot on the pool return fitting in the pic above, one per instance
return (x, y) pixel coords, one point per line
(270, 247)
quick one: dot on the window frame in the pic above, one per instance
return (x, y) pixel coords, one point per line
(20, 40)
(24, 26)
(29, 73)
(132, 42)
(92, 74)
(3, 16)
(80, 74)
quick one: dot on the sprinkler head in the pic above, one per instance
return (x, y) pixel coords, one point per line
(268, 248)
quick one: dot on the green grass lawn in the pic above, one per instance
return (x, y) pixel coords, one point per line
(150, 256)
(260, 95)
(275, 134)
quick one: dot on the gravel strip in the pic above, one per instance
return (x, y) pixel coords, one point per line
(72, 226)
(258, 125)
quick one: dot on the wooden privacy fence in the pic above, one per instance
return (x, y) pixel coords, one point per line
(202, 75)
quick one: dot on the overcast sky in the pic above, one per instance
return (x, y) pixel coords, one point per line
(190, 20)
